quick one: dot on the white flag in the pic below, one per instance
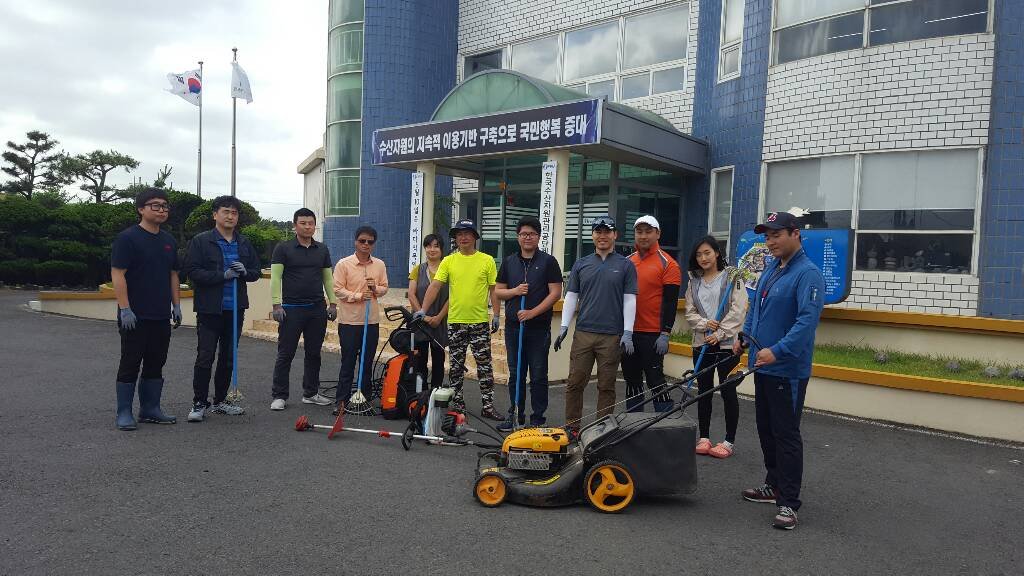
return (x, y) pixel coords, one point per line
(240, 83)
(188, 85)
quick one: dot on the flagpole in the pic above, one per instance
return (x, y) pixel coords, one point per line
(234, 103)
(199, 169)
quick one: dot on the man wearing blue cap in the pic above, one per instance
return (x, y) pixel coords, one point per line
(783, 316)
(471, 276)
(604, 286)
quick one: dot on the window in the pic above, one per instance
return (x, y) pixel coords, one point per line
(537, 58)
(805, 29)
(591, 51)
(721, 207)
(343, 193)
(732, 39)
(344, 107)
(915, 210)
(480, 62)
(629, 57)
(655, 37)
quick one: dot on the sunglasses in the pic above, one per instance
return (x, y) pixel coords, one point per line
(603, 221)
(367, 242)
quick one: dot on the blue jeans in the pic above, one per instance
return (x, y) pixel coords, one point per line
(536, 342)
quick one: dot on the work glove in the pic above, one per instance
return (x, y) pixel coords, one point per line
(332, 312)
(237, 266)
(278, 313)
(176, 315)
(661, 345)
(127, 318)
(495, 323)
(231, 274)
(627, 342)
(418, 315)
(561, 336)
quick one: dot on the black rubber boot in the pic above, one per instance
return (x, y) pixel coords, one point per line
(125, 396)
(150, 390)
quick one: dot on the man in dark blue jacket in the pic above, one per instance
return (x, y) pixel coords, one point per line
(783, 317)
(218, 259)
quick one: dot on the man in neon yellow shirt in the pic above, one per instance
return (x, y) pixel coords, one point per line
(470, 276)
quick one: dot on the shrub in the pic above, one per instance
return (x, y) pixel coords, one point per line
(60, 272)
(264, 236)
(201, 218)
(19, 271)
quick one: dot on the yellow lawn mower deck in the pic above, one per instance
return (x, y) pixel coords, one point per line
(614, 460)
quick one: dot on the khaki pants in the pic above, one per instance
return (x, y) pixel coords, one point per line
(588, 347)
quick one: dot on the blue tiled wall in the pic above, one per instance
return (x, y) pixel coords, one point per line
(730, 116)
(1002, 228)
(409, 58)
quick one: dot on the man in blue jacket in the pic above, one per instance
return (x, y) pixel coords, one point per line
(783, 317)
(216, 260)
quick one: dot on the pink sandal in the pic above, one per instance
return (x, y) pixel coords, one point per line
(721, 450)
(703, 446)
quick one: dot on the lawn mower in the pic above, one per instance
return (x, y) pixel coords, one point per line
(612, 461)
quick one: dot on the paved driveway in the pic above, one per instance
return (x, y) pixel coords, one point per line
(248, 495)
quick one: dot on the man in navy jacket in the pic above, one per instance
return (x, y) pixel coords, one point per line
(217, 259)
(783, 316)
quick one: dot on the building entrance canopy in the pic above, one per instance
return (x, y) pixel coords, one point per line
(500, 112)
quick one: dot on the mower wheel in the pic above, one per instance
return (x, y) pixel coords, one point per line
(609, 487)
(490, 489)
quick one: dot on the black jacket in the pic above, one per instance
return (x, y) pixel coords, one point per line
(204, 265)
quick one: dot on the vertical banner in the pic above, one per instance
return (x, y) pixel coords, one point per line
(415, 219)
(549, 175)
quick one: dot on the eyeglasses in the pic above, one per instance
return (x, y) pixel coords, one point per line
(528, 235)
(367, 242)
(158, 206)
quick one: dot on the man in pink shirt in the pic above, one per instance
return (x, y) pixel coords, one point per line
(358, 279)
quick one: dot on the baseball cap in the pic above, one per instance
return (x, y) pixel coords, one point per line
(603, 222)
(463, 225)
(649, 220)
(778, 221)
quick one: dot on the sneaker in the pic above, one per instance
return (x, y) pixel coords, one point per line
(765, 494)
(538, 422)
(785, 519)
(318, 399)
(507, 426)
(490, 412)
(339, 407)
(703, 446)
(278, 404)
(228, 409)
(198, 413)
(721, 450)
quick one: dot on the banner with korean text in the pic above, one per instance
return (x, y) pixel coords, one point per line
(548, 179)
(415, 219)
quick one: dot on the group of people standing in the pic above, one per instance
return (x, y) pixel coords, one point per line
(625, 309)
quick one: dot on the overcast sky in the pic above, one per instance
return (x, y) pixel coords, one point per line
(92, 74)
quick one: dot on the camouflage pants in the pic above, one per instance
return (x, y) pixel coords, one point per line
(478, 338)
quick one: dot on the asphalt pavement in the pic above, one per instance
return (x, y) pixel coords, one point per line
(249, 495)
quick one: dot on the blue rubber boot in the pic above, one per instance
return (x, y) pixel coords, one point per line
(150, 390)
(125, 396)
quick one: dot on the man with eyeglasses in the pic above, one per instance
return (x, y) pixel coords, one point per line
(604, 286)
(358, 279)
(470, 275)
(536, 275)
(217, 260)
(144, 268)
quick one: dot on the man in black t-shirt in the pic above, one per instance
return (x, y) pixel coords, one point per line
(144, 268)
(536, 275)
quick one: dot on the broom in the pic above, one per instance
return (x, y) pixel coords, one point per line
(358, 404)
(234, 395)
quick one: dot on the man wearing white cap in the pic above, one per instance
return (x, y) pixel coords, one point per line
(658, 282)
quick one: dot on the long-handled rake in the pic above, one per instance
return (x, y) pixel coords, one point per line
(235, 394)
(358, 404)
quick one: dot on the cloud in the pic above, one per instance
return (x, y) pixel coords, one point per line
(92, 74)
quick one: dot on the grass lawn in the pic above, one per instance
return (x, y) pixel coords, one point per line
(863, 357)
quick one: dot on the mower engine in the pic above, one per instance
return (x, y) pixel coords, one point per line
(535, 449)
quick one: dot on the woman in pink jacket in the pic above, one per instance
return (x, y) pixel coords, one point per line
(715, 326)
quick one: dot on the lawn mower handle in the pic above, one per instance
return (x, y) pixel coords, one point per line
(415, 324)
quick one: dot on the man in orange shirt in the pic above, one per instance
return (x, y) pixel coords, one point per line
(358, 279)
(658, 282)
